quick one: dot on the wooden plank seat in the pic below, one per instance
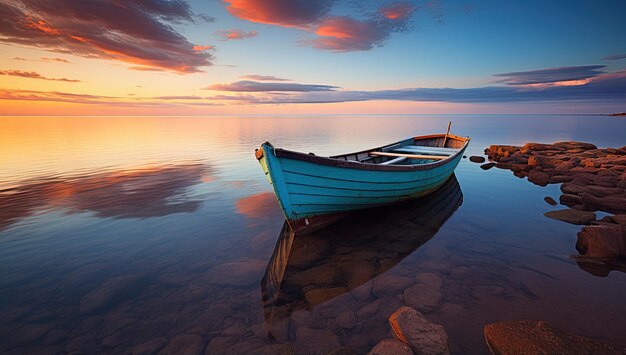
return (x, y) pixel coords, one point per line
(426, 150)
(409, 156)
(393, 161)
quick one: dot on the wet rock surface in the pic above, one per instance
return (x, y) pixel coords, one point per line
(391, 347)
(538, 337)
(424, 337)
(592, 179)
(477, 159)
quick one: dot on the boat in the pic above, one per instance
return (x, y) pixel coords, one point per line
(322, 268)
(314, 191)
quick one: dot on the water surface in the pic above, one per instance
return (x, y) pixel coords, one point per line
(119, 231)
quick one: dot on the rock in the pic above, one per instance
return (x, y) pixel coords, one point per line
(538, 178)
(619, 219)
(487, 166)
(346, 319)
(30, 333)
(184, 344)
(431, 279)
(602, 241)
(575, 145)
(556, 179)
(572, 189)
(538, 337)
(342, 350)
(476, 159)
(321, 295)
(613, 204)
(424, 337)
(111, 292)
(237, 273)
(391, 347)
(149, 347)
(317, 340)
(423, 298)
(550, 201)
(572, 216)
(390, 285)
(570, 200)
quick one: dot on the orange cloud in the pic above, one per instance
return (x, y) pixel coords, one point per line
(199, 48)
(397, 11)
(34, 75)
(293, 13)
(236, 34)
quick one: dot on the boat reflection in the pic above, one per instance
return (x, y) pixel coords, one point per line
(349, 253)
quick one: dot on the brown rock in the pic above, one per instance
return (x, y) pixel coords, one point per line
(149, 347)
(572, 189)
(532, 337)
(619, 219)
(538, 178)
(321, 295)
(572, 216)
(613, 204)
(487, 166)
(317, 340)
(602, 241)
(184, 344)
(237, 273)
(476, 159)
(550, 201)
(390, 285)
(575, 145)
(557, 179)
(429, 278)
(423, 298)
(424, 337)
(570, 200)
(346, 319)
(111, 292)
(391, 347)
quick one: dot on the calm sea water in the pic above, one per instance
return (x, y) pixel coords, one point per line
(143, 233)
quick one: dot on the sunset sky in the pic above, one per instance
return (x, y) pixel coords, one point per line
(204, 57)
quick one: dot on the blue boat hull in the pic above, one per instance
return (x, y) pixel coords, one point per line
(314, 193)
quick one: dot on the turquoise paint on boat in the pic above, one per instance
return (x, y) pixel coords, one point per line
(313, 191)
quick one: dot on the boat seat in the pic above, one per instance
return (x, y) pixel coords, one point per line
(393, 161)
(416, 149)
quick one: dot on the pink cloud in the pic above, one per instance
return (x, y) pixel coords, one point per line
(34, 75)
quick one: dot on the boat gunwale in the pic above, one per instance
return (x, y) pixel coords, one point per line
(334, 161)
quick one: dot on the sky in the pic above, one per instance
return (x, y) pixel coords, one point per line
(245, 57)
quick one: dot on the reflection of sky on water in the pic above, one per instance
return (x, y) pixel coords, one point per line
(169, 199)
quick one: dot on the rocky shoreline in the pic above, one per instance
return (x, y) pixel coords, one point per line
(592, 179)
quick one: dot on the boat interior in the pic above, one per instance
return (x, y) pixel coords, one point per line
(417, 150)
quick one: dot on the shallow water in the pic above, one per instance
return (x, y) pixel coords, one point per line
(115, 232)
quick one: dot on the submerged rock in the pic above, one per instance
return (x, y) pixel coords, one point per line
(572, 216)
(423, 298)
(538, 337)
(237, 273)
(391, 347)
(184, 344)
(424, 337)
(112, 291)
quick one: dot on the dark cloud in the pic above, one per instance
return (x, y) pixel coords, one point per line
(133, 31)
(255, 86)
(263, 78)
(292, 13)
(333, 33)
(141, 193)
(551, 75)
(228, 35)
(615, 57)
(34, 75)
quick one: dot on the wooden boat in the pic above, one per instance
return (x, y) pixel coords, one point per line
(357, 249)
(314, 191)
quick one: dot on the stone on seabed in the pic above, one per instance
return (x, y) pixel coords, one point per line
(424, 337)
(539, 337)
